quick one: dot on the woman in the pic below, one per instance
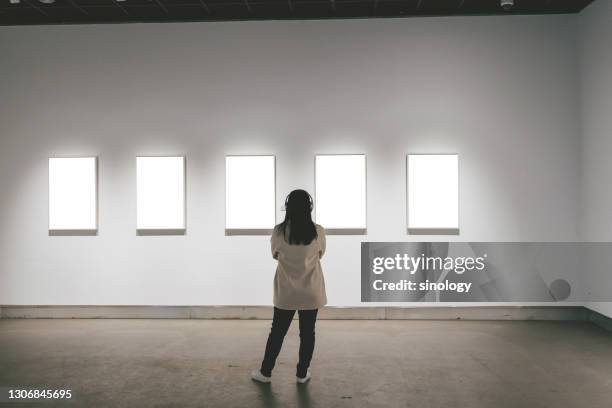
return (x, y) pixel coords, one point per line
(298, 244)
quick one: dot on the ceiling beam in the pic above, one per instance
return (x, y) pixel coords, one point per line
(121, 8)
(161, 5)
(35, 7)
(81, 9)
(205, 6)
(73, 11)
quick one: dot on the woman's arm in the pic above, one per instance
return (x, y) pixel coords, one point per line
(322, 241)
(274, 244)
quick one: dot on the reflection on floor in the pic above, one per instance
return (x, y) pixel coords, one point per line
(157, 363)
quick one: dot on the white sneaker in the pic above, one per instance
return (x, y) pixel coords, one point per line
(256, 375)
(304, 379)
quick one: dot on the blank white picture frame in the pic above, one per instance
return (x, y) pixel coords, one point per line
(73, 195)
(250, 194)
(160, 195)
(433, 193)
(340, 193)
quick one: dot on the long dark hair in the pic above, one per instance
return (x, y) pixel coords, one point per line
(298, 228)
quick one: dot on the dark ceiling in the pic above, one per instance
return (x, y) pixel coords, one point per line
(122, 11)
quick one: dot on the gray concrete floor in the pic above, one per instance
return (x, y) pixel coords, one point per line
(172, 363)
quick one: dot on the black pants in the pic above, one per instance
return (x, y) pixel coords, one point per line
(280, 325)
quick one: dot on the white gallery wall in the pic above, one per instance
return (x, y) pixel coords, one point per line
(596, 166)
(499, 91)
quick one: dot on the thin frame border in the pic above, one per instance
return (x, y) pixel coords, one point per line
(161, 231)
(246, 231)
(433, 231)
(73, 232)
(344, 231)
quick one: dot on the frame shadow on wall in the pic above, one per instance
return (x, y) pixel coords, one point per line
(152, 232)
(433, 231)
(346, 231)
(67, 233)
(255, 231)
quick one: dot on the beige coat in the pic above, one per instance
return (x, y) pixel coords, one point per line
(299, 283)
